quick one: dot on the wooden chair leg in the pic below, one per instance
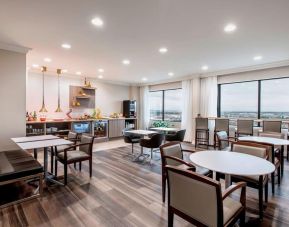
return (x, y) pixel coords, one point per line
(74, 165)
(242, 219)
(52, 159)
(164, 187)
(132, 148)
(273, 182)
(261, 201)
(90, 167)
(170, 217)
(151, 153)
(55, 168)
(279, 175)
(79, 166)
(35, 153)
(65, 173)
(266, 192)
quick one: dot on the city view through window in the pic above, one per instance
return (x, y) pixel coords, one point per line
(240, 100)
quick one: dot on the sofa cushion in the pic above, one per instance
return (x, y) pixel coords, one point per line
(16, 164)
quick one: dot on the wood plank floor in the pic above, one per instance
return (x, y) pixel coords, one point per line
(123, 193)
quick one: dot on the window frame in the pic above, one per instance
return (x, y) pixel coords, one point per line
(163, 101)
(259, 87)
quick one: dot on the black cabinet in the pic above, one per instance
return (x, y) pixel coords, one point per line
(129, 108)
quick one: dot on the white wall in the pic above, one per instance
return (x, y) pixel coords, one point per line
(108, 97)
(12, 96)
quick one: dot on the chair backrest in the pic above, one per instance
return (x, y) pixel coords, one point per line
(202, 123)
(72, 135)
(181, 134)
(156, 140)
(272, 126)
(222, 124)
(172, 149)
(87, 139)
(222, 137)
(252, 148)
(245, 127)
(196, 196)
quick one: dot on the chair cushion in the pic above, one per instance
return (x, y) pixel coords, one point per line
(73, 155)
(61, 148)
(199, 170)
(16, 164)
(230, 207)
(252, 179)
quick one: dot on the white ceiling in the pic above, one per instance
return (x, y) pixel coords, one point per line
(192, 30)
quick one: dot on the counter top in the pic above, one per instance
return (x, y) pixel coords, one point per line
(76, 120)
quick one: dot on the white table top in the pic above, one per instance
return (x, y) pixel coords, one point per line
(33, 138)
(232, 163)
(141, 132)
(165, 129)
(44, 143)
(261, 139)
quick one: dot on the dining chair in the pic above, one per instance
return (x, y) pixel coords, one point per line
(272, 126)
(221, 124)
(130, 138)
(202, 132)
(244, 128)
(172, 154)
(153, 142)
(257, 182)
(223, 140)
(73, 155)
(199, 199)
(177, 136)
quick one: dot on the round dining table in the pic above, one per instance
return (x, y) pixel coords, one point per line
(273, 142)
(232, 163)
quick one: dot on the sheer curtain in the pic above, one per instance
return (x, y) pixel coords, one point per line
(190, 106)
(208, 101)
(144, 116)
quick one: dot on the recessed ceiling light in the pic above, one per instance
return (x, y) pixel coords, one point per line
(144, 79)
(126, 62)
(64, 70)
(205, 67)
(229, 28)
(100, 70)
(163, 50)
(78, 73)
(97, 22)
(47, 59)
(35, 65)
(258, 58)
(66, 46)
(100, 76)
(171, 74)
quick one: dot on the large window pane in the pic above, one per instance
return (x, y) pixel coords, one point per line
(156, 105)
(275, 98)
(173, 109)
(239, 100)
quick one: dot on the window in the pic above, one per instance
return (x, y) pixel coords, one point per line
(239, 100)
(275, 98)
(166, 105)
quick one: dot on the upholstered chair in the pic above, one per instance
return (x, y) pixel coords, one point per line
(199, 200)
(202, 131)
(172, 154)
(153, 142)
(258, 182)
(221, 124)
(177, 136)
(272, 126)
(72, 155)
(130, 138)
(224, 140)
(244, 128)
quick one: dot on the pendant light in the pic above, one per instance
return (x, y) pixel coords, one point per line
(43, 108)
(58, 106)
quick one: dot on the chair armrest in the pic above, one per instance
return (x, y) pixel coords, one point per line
(186, 150)
(180, 161)
(235, 187)
(75, 146)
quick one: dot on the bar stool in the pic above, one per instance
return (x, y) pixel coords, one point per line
(202, 131)
(221, 124)
(244, 128)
